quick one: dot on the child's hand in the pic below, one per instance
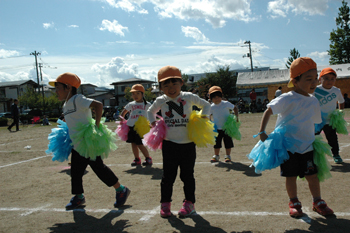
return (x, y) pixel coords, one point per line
(263, 136)
(153, 124)
(205, 117)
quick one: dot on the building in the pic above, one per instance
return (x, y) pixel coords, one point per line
(12, 90)
(119, 88)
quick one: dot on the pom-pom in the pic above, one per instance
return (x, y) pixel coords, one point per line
(319, 127)
(154, 139)
(272, 152)
(90, 141)
(321, 149)
(231, 127)
(122, 129)
(60, 144)
(201, 130)
(142, 126)
(337, 121)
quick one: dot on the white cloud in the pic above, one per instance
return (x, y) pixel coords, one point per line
(194, 33)
(73, 26)
(8, 53)
(214, 12)
(113, 27)
(281, 8)
(319, 55)
(48, 25)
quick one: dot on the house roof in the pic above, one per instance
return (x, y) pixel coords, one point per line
(132, 80)
(18, 83)
(99, 94)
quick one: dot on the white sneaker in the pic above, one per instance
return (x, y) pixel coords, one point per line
(215, 158)
(227, 158)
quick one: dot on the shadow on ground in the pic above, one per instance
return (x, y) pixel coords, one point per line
(156, 173)
(86, 223)
(343, 167)
(248, 171)
(323, 225)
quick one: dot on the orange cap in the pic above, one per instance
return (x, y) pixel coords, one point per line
(137, 87)
(67, 78)
(168, 72)
(214, 89)
(327, 70)
(300, 66)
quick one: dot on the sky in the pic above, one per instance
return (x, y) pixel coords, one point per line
(105, 41)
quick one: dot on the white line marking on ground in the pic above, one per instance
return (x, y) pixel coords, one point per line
(8, 151)
(16, 142)
(35, 210)
(150, 214)
(341, 147)
(24, 161)
(147, 212)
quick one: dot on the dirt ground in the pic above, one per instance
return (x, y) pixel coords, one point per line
(230, 196)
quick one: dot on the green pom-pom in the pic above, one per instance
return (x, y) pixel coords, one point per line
(321, 149)
(337, 121)
(231, 127)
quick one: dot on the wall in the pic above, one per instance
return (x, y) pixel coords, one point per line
(344, 85)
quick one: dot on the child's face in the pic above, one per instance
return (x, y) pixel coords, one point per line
(307, 83)
(216, 99)
(328, 81)
(61, 91)
(137, 96)
(171, 89)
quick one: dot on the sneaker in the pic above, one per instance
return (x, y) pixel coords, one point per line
(295, 208)
(215, 158)
(320, 206)
(187, 209)
(227, 158)
(121, 197)
(75, 202)
(147, 162)
(9, 129)
(165, 210)
(337, 159)
(136, 162)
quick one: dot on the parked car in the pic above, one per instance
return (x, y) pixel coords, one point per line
(26, 111)
(6, 114)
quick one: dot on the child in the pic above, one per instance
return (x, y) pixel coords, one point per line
(298, 110)
(328, 96)
(220, 110)
(76, 110)
(177, 149)
(137, 108)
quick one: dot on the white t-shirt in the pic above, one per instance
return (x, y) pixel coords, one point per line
(278, 93)
(328, 98)
(77, 110)
(176, 113)
(136, 109)
(303, 112)
(220, 112)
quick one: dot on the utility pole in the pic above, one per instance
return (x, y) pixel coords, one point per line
(250, 54)
(36, 64)
(42, 87)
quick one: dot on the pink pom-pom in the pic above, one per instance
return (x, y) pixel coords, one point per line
(122, 129)
(154, 139)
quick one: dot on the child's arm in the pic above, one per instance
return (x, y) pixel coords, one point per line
(264, 121)
(98, 106)
(152, 111)
(341, 106)
(123, 113)
(235, 110)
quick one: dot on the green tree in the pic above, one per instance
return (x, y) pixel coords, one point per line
(339, 49)
(294, 55)
(30, 98)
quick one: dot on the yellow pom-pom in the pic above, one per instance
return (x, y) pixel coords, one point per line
(201, 130)
(142, 126)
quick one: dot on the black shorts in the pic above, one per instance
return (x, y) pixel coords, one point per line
(134, 137)
(299, 165)
(227, 140)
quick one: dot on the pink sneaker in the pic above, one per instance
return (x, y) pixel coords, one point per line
(165, 210)
(187, 209)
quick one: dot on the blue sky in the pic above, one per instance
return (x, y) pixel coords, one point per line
(104, 41)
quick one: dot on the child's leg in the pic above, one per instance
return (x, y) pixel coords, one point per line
(78, 166)
(143, 150)
(332, 138)
(228, 151)
(187, 161)
(314, 186)
(216, 151)
(291, 186)
(135, 150)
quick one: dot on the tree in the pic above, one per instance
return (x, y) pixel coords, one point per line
(294, 55)
(339, 49)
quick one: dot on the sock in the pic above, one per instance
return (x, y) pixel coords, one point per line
(80, 196)
(293, 199)
(120, 189)
(314, 199)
